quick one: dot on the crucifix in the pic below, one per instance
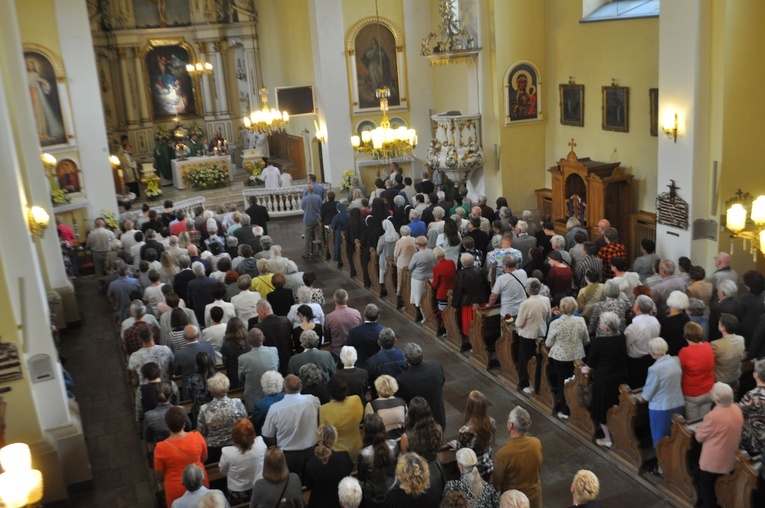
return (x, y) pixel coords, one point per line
(672, 191)
(572, 144)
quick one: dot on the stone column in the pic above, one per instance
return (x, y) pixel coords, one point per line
(219, 82)
(684, 90)
(331, 87)
(125, 54)
(208, 92)
(140, 90)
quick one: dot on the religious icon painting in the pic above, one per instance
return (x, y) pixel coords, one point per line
(172, 91)
(616, 108)
(523, 93)
(47, 97)
(375, 56)
(572, 104)
(68, 175)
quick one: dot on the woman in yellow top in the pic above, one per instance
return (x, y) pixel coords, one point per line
(344, 413)
(262, 283)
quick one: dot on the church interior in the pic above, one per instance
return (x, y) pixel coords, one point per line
(618, 109)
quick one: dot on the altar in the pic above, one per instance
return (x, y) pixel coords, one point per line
(177, 165)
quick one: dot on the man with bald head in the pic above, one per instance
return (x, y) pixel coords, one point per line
(722, 271)
(485, 223)
(185, 358)
(603, 224)
(291, 425)
(99, 242)
(662, 289)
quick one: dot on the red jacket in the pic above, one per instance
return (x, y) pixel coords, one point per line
(443, 278)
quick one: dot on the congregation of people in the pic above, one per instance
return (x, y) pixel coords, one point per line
(309, 400)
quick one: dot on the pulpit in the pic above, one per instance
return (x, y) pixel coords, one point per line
(590, 190)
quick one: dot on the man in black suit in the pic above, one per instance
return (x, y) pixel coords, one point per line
(427, 186)
(244, 234)
(152, 243)
(423, 379)
(389, 193)
(427, 213)
(199, 291)
(277, 331)
(258, 214)
(480, 238)
(182, 278)
(364, 337)
(185, 359)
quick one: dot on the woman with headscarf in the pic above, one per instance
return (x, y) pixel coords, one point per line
(386, 246)
(354, 232)
(339, 226)
(400, 212)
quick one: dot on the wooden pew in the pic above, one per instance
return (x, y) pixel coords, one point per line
(391, 281)
(539, 377)
(630, 429)
(410, 310)
(483, 333)
(357, 262)
(507, 352)
(579, 419)
(675, 454)
(429, 308)
(344, 253)
(737, 489)
(452, 324)
(374, 273)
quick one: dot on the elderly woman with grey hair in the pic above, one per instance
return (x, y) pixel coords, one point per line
(357, 379)
(612, 303)
(273, 384)
(217, 418)
(608, 360)
(421, 269)
(391, 409)
(193, 480)
(436, 227)
(479, 493)
(309, 342)
(313, 382)
(719, 435)
(672, 325)
(533, 315)
(405, 248)
(753, 406)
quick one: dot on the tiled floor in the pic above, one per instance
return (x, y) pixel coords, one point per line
(121, 478)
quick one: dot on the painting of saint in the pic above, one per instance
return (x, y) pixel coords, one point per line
(46, 103)
(171, 87)
(523, 93)
(376, 65)
(68, 176)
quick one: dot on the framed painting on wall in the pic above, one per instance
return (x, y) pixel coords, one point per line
(68, 175)
(572, 104)
(616, 108)
(376, 60)
(47, 91)
(653, 96)
(523, 94)
(172, 92)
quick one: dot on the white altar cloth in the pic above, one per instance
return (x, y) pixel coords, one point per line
(178, 164)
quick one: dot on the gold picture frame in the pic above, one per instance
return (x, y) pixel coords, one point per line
(167, 82)
(571, 104)
(616, 108)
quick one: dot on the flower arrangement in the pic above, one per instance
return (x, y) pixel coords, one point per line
(206, 175)
(59, 196)
(152, 187)
(346, 183)
(194, 128)
(161, 132)
(110, 219)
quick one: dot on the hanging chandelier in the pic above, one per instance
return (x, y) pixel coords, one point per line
(749, 227)
(384, 142)
(265, 120)
(199, 69)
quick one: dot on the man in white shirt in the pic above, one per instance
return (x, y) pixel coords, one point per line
(511, 287)
(644, 327)
(291, 425)
(214, 333)
(135, 250)
(270, 176)
(245, 302)
(218, 292)
(128, 237)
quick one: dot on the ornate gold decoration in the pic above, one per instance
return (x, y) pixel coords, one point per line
(453, 45)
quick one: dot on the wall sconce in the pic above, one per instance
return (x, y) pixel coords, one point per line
(38, 220)
(669, 126)
(736, 222)
(20, 485)
(321, 135)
